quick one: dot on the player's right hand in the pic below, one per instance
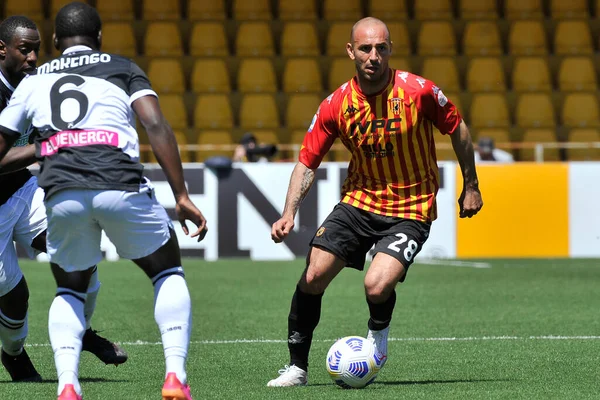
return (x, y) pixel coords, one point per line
(281, 229)
(186, 210)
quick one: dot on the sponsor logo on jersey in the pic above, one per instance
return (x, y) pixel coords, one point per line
(64, 139)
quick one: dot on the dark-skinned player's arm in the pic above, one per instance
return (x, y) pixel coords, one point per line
(470, 201)
(7, 139)
(317, 142)
(165, 149)
(18, 158)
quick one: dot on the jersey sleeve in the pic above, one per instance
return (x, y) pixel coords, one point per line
(15, 119)
(438, 108)
(139, 84)
(321, 134)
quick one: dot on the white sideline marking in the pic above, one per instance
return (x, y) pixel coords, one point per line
(413, 339)
(454, 263)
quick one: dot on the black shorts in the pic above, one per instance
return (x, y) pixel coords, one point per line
(349, 233)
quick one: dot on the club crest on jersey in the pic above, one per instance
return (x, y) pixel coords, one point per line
(396, 104)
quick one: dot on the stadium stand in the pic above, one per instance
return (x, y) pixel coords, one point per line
(526, 68)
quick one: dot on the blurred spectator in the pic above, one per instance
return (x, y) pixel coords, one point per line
(487, 152)
(250, 151)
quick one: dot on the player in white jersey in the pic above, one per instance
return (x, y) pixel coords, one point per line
(82, 106)
(23, 216)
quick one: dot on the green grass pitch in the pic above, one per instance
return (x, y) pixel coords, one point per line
(520, 329)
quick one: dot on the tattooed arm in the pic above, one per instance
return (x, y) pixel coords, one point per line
(470, 200)
(300, 183)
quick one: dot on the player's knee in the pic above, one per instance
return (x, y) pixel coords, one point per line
(377, 292)
(16, 302)
(313, 282)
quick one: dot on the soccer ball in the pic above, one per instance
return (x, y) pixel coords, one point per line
(352, 362)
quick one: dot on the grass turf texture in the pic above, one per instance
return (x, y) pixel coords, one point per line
(498, 317)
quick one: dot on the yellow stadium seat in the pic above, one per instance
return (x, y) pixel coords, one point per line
(498, 134)
(258, 111)
(400, 38)
(297, 136)
(342, 10)
(486, 75)
(299, 39)
(162, 10)
(577, 74)
(478, 9)
(482, 38)
(208, 40)
(436, 38)
(337, 37)
(32, 8)
(254, 39)
(560, 9)
(442, 71)
(117, 38)
(573, 38)
(489, 110)
(213, 10)
(174, 110)
(400, 63)
(539, 136)
(162, 39)
(166, 75)
(388, 10)
(300, 110)
(290, 10)
(580, 110)
(256, 75)
(433, 9)
(210, 75)
(531, 74)
(214, 138)
(302, 75)
(523, 9)
(266, 136)
(443, 146)
(56, 5)
(527, 38)
(342, 69)
(584, 136)
(213, 111)
(115, 10)
(246, 10)
(534, 110)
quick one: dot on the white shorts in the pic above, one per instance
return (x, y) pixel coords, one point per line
(133, 221)
(22, 218)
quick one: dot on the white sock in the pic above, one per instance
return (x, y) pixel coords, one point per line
(13, 333)
(92, 295)
(66, 325)
(172, 312)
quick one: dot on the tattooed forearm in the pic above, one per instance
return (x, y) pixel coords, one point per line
(300, 183)
(463, 147)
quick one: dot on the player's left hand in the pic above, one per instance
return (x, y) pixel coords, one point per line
(186, 210)
(469, 202)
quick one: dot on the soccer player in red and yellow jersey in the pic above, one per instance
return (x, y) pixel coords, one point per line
(386, 118)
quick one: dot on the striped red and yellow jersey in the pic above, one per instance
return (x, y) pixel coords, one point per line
(393, 170)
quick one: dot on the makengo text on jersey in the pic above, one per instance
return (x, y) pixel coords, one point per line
(73, 62)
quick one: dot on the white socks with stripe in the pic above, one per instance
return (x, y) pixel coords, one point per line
(13, 333)
(172, 312)
(66, 325)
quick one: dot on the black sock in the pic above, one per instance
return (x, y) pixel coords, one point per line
(304, 316)
(381, 314)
